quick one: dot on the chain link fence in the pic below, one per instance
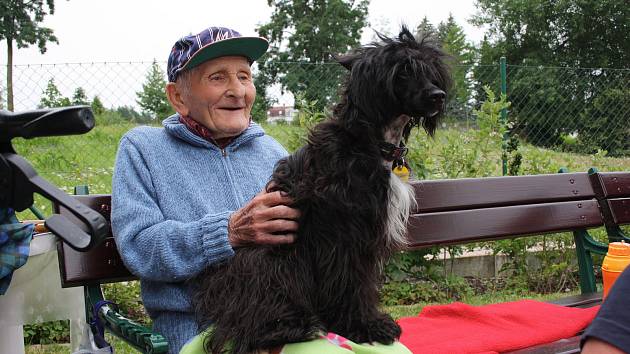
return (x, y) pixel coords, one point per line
(580, 110)
(573, 109)
(115, 83)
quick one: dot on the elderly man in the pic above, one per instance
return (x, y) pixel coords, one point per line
(185, 195)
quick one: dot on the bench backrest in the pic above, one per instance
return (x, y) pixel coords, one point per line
(449, 212)
(613, 189)
(466, 210)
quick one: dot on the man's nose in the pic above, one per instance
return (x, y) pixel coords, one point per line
(235, 87)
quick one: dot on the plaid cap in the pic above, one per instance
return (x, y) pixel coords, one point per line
(213, 42)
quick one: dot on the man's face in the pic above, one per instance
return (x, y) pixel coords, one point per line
(221, 95)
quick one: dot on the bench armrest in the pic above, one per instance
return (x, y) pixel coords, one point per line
(136, 335)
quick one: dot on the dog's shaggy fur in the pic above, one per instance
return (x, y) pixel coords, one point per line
(354, 213)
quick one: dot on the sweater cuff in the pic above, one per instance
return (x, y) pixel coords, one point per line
(216, 246)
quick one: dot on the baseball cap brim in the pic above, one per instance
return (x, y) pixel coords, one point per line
(250, 47)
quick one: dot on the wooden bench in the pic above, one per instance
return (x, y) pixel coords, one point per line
(99, 266)
(450, 212)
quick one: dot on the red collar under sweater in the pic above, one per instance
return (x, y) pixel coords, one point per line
(203, 132)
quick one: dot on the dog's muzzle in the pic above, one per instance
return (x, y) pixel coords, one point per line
(391, 152)
(436, 99)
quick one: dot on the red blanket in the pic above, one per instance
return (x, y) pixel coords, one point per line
(461, 328)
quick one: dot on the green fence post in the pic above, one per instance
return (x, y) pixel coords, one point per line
(503, 69)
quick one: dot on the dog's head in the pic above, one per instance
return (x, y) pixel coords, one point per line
(402, 81)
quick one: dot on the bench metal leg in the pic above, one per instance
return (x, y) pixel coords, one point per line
(584, 246)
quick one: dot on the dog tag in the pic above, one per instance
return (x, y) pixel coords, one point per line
(402, 172)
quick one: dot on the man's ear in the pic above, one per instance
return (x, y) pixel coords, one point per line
(174, 96)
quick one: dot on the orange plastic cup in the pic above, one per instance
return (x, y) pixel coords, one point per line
(616, 260)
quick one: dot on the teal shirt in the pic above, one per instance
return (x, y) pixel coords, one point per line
(172, 195)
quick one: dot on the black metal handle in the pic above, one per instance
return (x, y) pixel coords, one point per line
(92, 227)
(46, 122)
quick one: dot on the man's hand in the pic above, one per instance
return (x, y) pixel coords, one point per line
(266, 219)
(595, 346)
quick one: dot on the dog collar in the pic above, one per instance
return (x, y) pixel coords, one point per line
(391, 152)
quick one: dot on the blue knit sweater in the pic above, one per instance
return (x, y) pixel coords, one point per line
(173, 193)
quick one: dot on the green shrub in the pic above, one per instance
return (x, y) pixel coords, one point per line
(127, 296)
(47, 332)
(413, 291)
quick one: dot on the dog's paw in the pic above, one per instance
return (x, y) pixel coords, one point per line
(384, 330)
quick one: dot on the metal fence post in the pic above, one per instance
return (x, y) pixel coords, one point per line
(503, 69)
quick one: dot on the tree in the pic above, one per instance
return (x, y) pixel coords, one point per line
(560, 34)
(129, 113)
(425, 27)
(52, 97)
(304, 35)
(19, 23)
(576, 33)
(79, 97)
(97, 106)
(152, 99)
(462, 53)
(606, 111)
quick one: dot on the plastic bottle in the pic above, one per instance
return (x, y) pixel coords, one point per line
(616, 260)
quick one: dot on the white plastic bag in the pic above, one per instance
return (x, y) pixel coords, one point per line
(88, 344)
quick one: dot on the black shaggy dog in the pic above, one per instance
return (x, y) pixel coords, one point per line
(354, 212)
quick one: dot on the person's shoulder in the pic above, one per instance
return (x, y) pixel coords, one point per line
(273, 147)
(144, 136)
(271, 141)
(143, 133)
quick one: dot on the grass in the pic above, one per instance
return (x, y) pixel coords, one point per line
(48, 349)
(88, 159)
(120, 347)
(399, 311)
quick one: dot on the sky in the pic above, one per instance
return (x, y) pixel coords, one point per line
(117, 39)
(143, 30)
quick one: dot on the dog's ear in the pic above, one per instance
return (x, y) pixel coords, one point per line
(346, 60)
(405, 35)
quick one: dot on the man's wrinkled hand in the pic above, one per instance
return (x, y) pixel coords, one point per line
(266, 219)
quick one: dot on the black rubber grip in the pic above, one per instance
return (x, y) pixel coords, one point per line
(46, 122)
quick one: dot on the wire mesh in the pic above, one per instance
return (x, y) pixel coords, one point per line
(574, 109)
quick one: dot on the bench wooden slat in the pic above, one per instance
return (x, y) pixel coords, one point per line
(615, 184)
(581, 300)
(443, 195)
(456, 227)
(620, 210)
(564, 346)
(101, 264)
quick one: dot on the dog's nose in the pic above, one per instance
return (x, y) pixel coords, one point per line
(437, 95)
